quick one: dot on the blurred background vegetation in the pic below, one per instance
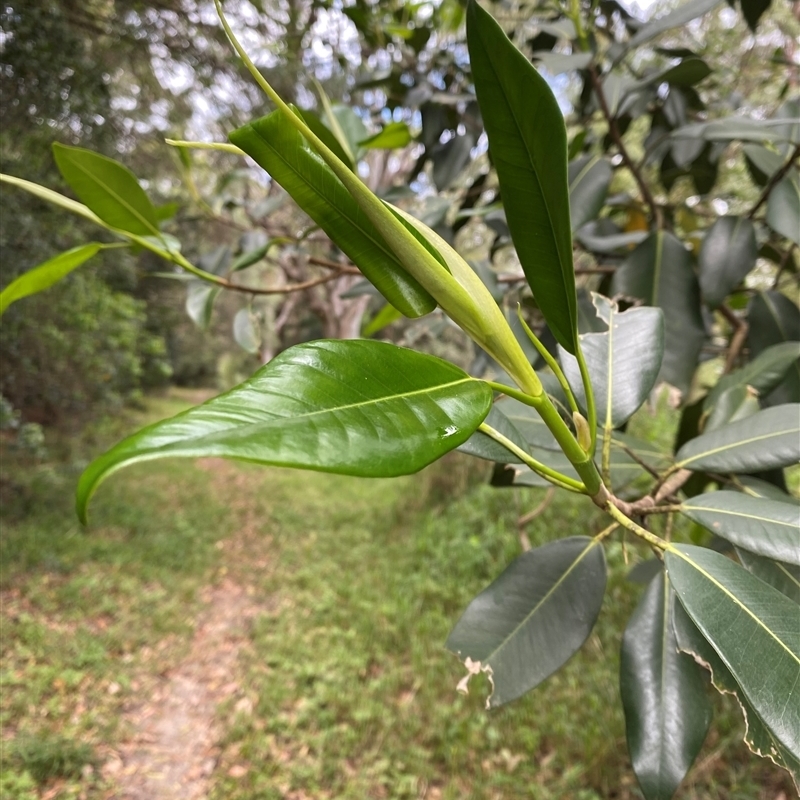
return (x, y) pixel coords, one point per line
(119, 76)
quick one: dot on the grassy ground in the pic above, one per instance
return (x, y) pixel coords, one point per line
(348, 692)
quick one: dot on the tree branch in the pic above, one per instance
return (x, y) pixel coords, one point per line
(774, 180)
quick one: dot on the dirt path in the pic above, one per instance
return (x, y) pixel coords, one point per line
(174, 750)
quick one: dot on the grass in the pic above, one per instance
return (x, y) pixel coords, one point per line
(348, 692)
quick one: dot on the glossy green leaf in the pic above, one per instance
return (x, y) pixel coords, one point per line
(659, 271)
(354, 407)
(763, 373)
(393, 135)
(749, 624)
(757, 736)
(623, 362)
(773, 318)
(108, 188)
(765, 527)
(589, 179)
(728, 253)
(766, 440)
(277, 146)
(667, 710)
(528, 144)
(534, 617)
(46, 274)
(783, 577)
(783, 208)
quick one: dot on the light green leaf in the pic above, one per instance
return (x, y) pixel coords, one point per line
(672, 19)
(763, 441)
(393, 136)
(728, 253)
(783, 208)
(255, 255)
(534, 617)
(749, 624)
(758, 737)
(623, 362)
(108, 188)
(353, 407)
(589, 179)
(244, 331)
(667, 710)
(765, 527)
(386, 316)
(45, 275)
(200, 297)
(659, 271)
(277, 146)
(528, 144)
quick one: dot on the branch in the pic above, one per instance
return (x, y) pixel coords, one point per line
(740, 330)
(774, 180)
(623, 151)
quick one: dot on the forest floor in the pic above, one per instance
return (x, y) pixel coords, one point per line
(225, 632)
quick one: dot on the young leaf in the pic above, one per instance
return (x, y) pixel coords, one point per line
(659, 271)
(667, 710)
(354, 407)
(534, 617)
(763, 441)
(757, 736)
(765, 527)
(623, 362)
(750, 625)
(108, 188)
(279, 148)
(45, 275)
(393, 135)
(528, 144)
(728, 253)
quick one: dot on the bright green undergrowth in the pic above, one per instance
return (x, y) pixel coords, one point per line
(350, 691)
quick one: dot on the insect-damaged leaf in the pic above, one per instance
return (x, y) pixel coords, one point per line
(353, 407)
(534, 617)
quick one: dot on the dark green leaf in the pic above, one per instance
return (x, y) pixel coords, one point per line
(728, 253)
(483, 446)
(589, 178)
(394, 135)
(534, 617)
(737, 402)
(659, 271)
(667, 710)
(528, 422)
(450, 158)
(783, 208)
(765, 527)
(749, 624)
(528, 144)
(783, 577)
(255, 255)
(752, 11)
(108, 188)
(689, 72)
(763, 441)
(757, 487)
(45, 275)
(354, 407)
(761, 162)
(763, 373)
(757, 737)
(623, 363)
(275, 145)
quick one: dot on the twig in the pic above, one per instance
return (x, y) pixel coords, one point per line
(623, 151)
(526, 519)
(774, 179)
(741, 329)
